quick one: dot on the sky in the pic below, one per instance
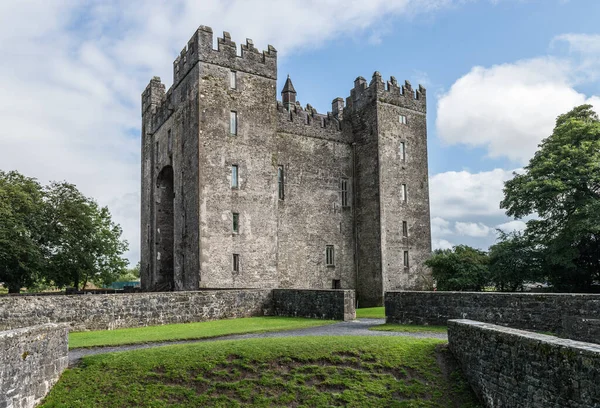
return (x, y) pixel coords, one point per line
(497, 73)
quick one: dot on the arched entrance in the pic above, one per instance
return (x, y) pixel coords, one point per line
(164, 230)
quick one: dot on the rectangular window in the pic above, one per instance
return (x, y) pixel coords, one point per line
(329, 256)
(404, 229)
(403, 120)
(234, 176)
(169, 141)
(233, 122)
(406, 259)
(236, 222)
(344, 190)
(336, 284)
(403, 195)
(236, 262)
(156, 151)
(402, 151)
(280, 182)
(232, 79)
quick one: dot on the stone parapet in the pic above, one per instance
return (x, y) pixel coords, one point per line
(329, 304)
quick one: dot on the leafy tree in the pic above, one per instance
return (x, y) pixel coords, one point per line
(131, 274)
(461, 268)
(561, 185)
(22, 239)
(513, 261)
(86, 244)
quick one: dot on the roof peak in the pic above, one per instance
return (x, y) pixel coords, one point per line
(288, 87)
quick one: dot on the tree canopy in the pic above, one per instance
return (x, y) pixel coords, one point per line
(461, 268)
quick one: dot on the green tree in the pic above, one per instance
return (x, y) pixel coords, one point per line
(561, 186)
(131, 274)
(22, 249)
(513, 261)
(461, 268)
(86, 244)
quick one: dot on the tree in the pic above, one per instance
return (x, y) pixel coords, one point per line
(513, 261)
(22, 241)
(86, 244)
(561, 186)
(131, 274)
(461, 268)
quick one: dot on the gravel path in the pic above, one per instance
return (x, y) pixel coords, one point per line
(351, 328)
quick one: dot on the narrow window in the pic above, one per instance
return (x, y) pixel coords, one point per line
(404, 229)
(336, 284)
(280, 182)
(236, 222)
(329, 256)
(236, 262)
(232, 79)
(234, 176)
(156, 151)
(233, 123)
(406, 259)
(169, 141)
(403, 120)
(403, 196)
(344, 189)
(402, 151)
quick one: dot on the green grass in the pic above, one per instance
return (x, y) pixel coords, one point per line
(298, 371)
(409, 328)
(190, 331)
(371, 313)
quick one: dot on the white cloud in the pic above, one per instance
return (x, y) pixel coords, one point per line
(509, 108)
(440, 227)
(472, 229)
(516, 225)
(441, 244)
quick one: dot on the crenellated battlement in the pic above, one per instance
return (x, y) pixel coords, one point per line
(389, 92)
(200, 48)
(308, 116)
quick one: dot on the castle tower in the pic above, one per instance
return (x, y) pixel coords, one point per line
(288, 94)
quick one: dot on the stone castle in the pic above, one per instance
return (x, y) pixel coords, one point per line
(240, 190)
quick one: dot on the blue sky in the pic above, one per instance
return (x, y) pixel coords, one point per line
(497, 74)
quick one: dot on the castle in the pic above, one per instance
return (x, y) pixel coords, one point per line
(242, 190)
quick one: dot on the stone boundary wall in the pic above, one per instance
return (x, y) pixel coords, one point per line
(330, 304)
(513, 368)
(101, 312)
(31, 361)
(576, 316)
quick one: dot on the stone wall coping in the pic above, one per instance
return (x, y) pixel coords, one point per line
(7, 334)
(138, 294)
(316, 290)
(454, 293)
(538, 337)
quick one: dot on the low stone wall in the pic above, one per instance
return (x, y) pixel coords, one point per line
(331, 304)
(31, 361)
(576, 316)
(514, 368)
(101, 312)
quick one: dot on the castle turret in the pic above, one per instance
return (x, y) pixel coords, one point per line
(288, 94)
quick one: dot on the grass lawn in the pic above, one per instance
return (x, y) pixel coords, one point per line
(294, 371)
(409, 328)
(371, 313)
(189, 331)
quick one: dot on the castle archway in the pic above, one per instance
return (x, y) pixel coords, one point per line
(165, 230)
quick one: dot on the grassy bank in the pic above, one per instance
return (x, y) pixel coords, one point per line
(306, 371)
(190, 331)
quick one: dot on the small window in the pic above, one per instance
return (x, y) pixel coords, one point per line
(236, 262)
(236, 222)
(344, 191)
(329, 256)
(169, 141)
(156, 151)
(403, 195)
(233, 123)
(336, 284)
(403, 120)
(406, 259)
(403, 151)
(234, 176)
(280, 182)
(232, 79)
(404, 229)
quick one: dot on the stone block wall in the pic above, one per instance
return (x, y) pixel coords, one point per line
(575, 316)
(321, 304)
(31, 361)
(101, 312)
(514, 368)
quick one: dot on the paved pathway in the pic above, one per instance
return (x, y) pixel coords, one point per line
(352, 328)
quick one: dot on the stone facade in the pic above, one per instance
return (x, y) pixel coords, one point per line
(354, 180)
(31, 361)
(518, 369)
(575, 316)
(316, 303)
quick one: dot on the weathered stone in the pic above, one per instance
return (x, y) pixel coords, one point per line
(321, 304)
(513, 368)
(31, 361)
